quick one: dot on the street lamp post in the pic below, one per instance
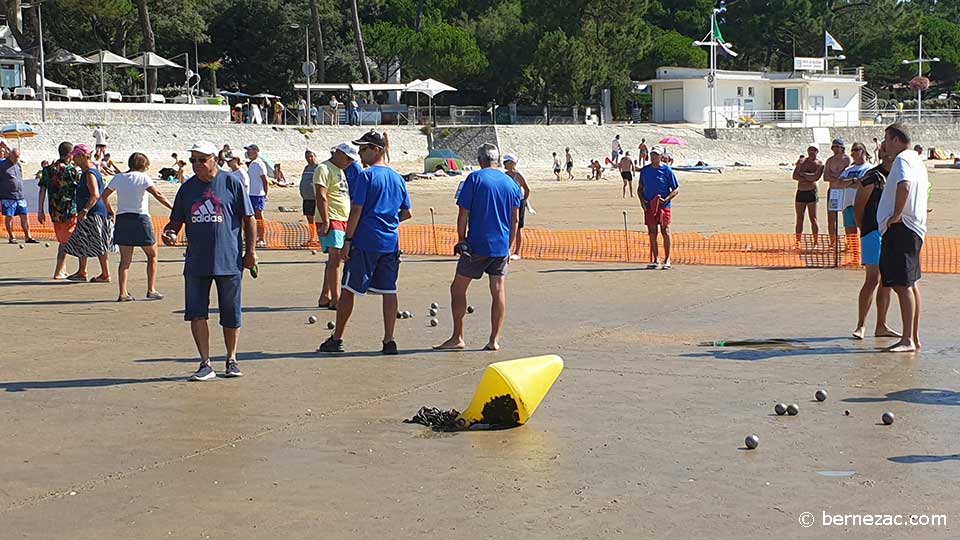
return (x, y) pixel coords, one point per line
(43, 71)
(919, 62)
(307, 69)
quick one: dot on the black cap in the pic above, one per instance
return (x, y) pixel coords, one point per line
(371, 138)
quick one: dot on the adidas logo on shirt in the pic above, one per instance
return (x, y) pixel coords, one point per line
(206, 213)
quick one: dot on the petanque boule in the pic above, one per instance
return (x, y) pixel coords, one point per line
(887, 418)
(470, 309)
(407, 315)
(434, 322)
(46, 244)
(313, 252)
(21, 246)
(433, 312)
(793, 410)
(331, 325)
(399, 314)
(434, 306)
(821, 395)
(752, 441)
(312, 320)
(780, 409)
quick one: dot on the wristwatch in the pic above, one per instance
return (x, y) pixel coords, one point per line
(348, 239)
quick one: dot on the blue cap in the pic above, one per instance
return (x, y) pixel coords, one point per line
(839, 142)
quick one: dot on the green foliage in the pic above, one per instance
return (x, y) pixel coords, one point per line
(670, 49)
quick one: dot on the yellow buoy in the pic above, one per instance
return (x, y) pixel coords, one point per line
(525, 381)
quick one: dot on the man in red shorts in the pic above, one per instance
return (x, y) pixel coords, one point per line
(658, 187)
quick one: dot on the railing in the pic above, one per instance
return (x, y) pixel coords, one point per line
(733, 118)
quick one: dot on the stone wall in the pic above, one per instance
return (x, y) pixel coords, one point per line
(158, 141)
(464, 140)
(85, 112)
(946, 136)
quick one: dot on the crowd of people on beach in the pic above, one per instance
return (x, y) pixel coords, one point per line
(882, 199)
(358, 205)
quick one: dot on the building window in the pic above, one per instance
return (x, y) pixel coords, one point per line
(739, 91)
(836, 93)
(816, 103)
(750, 91)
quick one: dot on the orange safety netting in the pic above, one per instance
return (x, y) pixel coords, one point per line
(940, 254)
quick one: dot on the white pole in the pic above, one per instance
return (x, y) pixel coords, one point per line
(43, 71)
(309, 100)
(919, 74)
(713, 69)
(103, 92)
(826, 52)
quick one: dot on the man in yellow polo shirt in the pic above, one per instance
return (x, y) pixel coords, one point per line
(333, 211)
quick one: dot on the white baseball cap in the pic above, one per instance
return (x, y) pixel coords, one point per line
(350, 150)
(206, 148)
(511, 157)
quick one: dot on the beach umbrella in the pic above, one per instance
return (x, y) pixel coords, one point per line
(9, 53)
(108, 58)
(152, 60)
(677, 141)
(18, 130)
(68, 58)
(430, 88)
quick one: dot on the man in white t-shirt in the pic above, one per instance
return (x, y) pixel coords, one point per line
(100, 139)
(902, 219)
(616, 151)
(334, 111)
(302, 110)
(259, 187)
(235, 167)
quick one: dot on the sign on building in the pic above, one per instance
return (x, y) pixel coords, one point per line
(807, 64)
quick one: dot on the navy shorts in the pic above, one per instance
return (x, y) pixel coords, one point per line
(371, 272)
(197, 298)
(258, 202)
(14, 207)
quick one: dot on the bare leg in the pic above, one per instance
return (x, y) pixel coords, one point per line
(260, 228)
(25, 224)
(624, 194)
(152, 267)
(814, 222)
(8, 223)
(883, 305)
(390, 305)
(832, 226)
(870, 282)
(104, 266)
(498, 311)
(332, 274)
(667, 243)
(230, 338)
(519, 242)
(60, 271)
(458, 309)
(126, 257)
(630, 185)
(916, 316)
(201, 336)
(654, 244)
(344, 310)
(908, 308)
(798, 229)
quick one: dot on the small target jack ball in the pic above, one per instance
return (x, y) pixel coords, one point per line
(887, 418)
(434, 322)
(780, 409)
(433, 312)
(793, 410)
(470, 309)
(821, 395)
(331, 325)
(434, 306)
(752, 441)
(312, 320)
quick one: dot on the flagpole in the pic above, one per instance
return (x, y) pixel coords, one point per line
(826, 52)
(713, 69)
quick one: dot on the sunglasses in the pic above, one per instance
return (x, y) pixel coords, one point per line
(197, 161)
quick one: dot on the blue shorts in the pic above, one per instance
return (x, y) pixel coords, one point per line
(373, 272)
(258, 203)
(197, 298)
(12, 207)
(870, 249)
(333, 239)
(849, 217)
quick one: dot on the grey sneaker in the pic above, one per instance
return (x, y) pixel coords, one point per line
(154, 296)
(204, 373)
(233, 370)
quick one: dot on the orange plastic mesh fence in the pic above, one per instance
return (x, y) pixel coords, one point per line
(940, 254)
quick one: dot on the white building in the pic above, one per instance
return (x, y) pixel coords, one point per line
(11, 69)
(786, 99)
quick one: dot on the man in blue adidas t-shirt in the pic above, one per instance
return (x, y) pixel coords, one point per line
(215, 208)
(378, 203)
(489, 204)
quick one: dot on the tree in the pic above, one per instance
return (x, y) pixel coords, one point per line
(559, 69)
(318, 41)
(149, 42)
(214, 67)
(358, 33)
(27, 39)
(669, 49)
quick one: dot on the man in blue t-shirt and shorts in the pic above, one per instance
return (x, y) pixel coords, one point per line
(658, 186)
(378, 203)
(489, 204)
(219, 219)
